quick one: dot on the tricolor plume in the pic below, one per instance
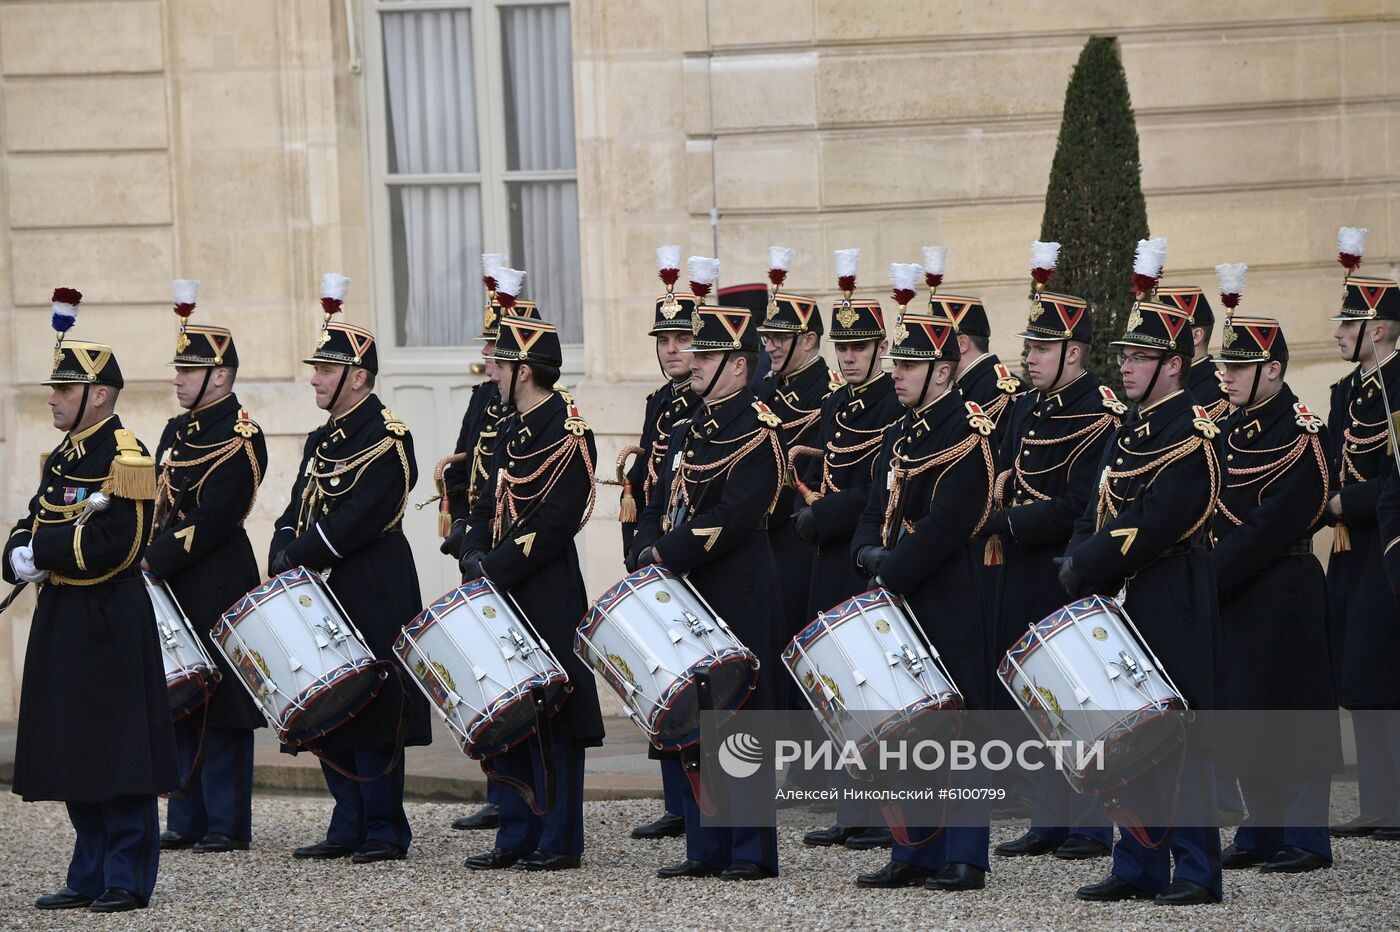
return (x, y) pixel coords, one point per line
(184, 292)
(847, 265)
(492, 262)
(904, 276)
(668, 264)
(779, 258)
(1044, 258)
(65, 308)
(508, 282)
(334, 288)
(1351, 246)
(702, 272)
(935, 257)
(1231, 277)
(1148, 260)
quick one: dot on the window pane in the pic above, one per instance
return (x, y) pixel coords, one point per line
(437, 247)
(544, 234)
(430, 90)
(539, 88)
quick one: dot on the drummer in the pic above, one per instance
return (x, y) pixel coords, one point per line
(94, 717)
(345, 516)
(1154, 544)
(706, 519)
(670, 404)
(915, 538)
(520, 536)
(211, 460)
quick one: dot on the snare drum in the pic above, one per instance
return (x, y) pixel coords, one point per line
(190, 674)
(1084, 673)
(298, 655)
(651, 636)
(480, 663)
(869, 673)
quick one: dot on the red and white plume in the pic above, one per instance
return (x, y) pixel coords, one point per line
(65, 309)
(334, 288)
(779, 258)
(184, 292)
(1148, 260)
(935, 257)
(1044, 258)
(904, 277)
(702, 272)
(491, 263)
(1351, 246)
(668, 265)
(508, 282)
(847, 265)
(1231, 277)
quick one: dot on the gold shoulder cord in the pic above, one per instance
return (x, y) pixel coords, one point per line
(559, 456)
(692, 473)
(1272, 472)
(946, 458)
(165, 491)
(137, 539)
(1106, 509)
(312, 495)
(1086, 437)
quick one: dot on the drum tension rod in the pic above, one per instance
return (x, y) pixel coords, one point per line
(1131, 666)
(911, 659)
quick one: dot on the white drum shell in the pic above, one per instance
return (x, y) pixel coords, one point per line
(190, 673)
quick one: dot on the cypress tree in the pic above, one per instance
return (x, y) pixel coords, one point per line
(1094, 205)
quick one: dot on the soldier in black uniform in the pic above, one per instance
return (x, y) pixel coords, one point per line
(94, 717)
(706, 519)
(211, 460)
(345, 515)
(981, 376)
(1145, 529)
(1362, 611)
(854, 419)
(521, 537)
(1273, 596)
(1047, 466)
(666, 407)
(1204, 382)
(915, 538)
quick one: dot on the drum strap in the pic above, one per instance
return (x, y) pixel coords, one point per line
(192, 780)
(1128, 820)
(708, 802)
(542, 755)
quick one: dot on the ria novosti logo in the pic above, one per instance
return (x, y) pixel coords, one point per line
(740, 755)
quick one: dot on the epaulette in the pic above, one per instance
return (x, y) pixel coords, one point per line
(1110, 400)
(244, 426)
(392, 423)
(133, 473)
(568, 399)
(977, 419)
(574, 422)
(766, 416)
(1005, 380)
(1306, 419)
(1203, 423)
(833, 380)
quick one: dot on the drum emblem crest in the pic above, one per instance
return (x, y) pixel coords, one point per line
(488, 612)
(1046, 698)
(250, 664)
(618, 675)
(305, 601)
(663, 597)
(1099, 634)
(809, 679)
(882, 626)
(438, 685)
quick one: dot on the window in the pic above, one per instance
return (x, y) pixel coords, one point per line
(474, 153)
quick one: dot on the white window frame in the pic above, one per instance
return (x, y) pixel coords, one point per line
(492, 179)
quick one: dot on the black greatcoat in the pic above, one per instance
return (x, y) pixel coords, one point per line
(350, 522)
(94, 715)
(465, 480)
(1150, 529)
(706, 520)
(210, 464)
(1362, 611)
(666, 407)
(526, 529)
(1273, 596)
(940, 466)
(1205, 386)
(852, 432)
(992, 386)
(1047, 467)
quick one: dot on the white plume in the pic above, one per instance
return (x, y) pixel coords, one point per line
(702, 269)
(184, 290)
(779, 257)
(905, 275)
(847, 262)
(1352, 240)
(1231, 277)
(668, 257)
(508, 281)
(934, 259)
(1044, 255)
(1151, 255)
(334, 285)
(493, 262)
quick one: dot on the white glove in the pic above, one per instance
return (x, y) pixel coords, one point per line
(22, 560)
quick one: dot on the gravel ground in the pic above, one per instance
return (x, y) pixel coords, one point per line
(265, 888)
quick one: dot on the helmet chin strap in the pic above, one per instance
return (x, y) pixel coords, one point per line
(1356, 350)
(514, 378)
(1156, 373)
(82, 407)
(204, 387)
(723, 361)
(1060, 369)
(787, 360)
(928, 380)
(339, 386)
(1254, 389)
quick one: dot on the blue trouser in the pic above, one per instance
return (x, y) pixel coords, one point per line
(964, 843)
(118, 845)
(560, 829)
(1196, 850)
(673, 786)
(222, 800)
(1305, 800)
(366, 810)
(1053, 800)
(1378, 763)
(720, 846)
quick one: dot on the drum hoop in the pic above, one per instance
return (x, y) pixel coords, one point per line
(304, 700)
(521, 692)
